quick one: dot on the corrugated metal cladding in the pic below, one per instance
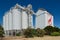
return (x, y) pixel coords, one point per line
(43, 19)
(16, 19)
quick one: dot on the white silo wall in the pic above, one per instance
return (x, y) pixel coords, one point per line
(6, 22)
(40, 19)
(32, 21)
(10, 21)
(16, 19)
(52, 24)
(4, 26)
(39, 12)
(24, 20)
(49, 16)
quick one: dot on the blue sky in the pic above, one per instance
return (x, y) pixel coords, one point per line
(52, 6)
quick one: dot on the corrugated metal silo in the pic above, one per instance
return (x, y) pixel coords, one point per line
(10, 21)
(24, 20)
(16, 19)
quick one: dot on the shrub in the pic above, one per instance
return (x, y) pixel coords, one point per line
(33, 32)
(1, 32)
(40, 32)
(59, 31)
(56, 29)
(49, 30)
(55, 34)
(28, 32)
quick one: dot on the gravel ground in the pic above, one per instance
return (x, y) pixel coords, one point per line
(35, 38)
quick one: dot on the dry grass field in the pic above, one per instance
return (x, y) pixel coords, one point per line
(35, 38)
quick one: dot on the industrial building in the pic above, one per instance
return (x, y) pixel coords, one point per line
(18, 18)
(43, 19)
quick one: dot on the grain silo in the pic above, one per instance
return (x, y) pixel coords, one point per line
(43, 19)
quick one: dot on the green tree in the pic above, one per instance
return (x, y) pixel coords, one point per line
(56, 29)
(1, 32)
(49, 30)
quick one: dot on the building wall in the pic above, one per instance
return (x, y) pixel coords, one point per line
(24, 20)
(6, 21)
(32, 21)
(49, 19)
(52, 21)
(16, 19)
(4, 24)
(10, 21)
(42, 18)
